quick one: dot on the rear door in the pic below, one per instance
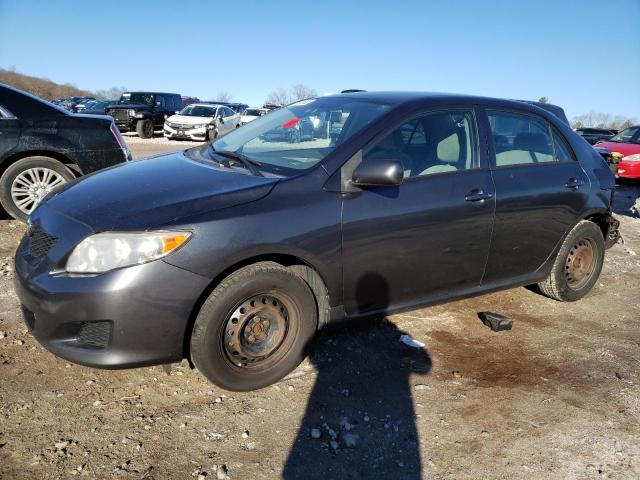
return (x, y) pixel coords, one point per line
(9, 131)
(541, 191)
(430, 235)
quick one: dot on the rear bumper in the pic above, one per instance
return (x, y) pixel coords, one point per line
(628, 170)
(129, 317)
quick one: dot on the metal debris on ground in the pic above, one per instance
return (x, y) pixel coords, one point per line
(495, 321)
(407, 340)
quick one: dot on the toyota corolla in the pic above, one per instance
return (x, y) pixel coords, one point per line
(234, 254)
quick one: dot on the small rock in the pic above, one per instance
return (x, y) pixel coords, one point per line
(61, 444)
(456, 374)
(3, 334)
(202, 476)
(316, 433)
(221, 472)
(97, 403)
(421, 386)
(250, 445)
(245, 434)
(219, 400)
(351, 439)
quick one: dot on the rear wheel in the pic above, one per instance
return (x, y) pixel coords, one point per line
(25, 183)
(254, 328)
(144, 128)
(578, 264)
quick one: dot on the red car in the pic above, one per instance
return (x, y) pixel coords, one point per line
(626, 143)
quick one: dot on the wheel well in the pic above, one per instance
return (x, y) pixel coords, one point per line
(40, 153)
(296, 265)
(602, 220)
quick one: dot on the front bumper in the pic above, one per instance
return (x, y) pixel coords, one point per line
(130, 317)
(188, 133)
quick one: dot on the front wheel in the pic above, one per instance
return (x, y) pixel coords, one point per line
(25, 183)
(254, 328)
(577, 265)
(144, 128)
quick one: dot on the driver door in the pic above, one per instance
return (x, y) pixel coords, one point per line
(429, 236)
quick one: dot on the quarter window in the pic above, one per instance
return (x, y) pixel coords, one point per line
(438, 142)
(563, 153)
(520, 139)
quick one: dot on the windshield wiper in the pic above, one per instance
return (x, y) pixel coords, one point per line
(249, 163)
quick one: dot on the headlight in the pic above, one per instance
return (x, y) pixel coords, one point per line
(632, 158)
(131, 113)
(168, 123)
(106, 251)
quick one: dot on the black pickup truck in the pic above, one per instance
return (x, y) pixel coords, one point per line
(144, 112)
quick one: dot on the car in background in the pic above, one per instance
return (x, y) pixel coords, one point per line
(71, 102)
(200, 122)
(236, 107)
(252, 113)
(626, 147)
(42, 147)
(189, 100)
(144, 112)
(236, 253)
(82, 104)
(97, 107)
(594, 135)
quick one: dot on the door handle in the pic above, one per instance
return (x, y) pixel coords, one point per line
(573, 183)
(478, 196)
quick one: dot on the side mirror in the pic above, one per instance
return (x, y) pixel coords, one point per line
(378, 173)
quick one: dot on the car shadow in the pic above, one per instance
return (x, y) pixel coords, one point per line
(360, 419)
(626, 198)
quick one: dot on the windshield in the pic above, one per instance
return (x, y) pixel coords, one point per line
(299, 136)
(136, 99)
(625, 136)
(253, 112)
(198, 111)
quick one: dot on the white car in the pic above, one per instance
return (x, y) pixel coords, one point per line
(201, 121)
(252, 113)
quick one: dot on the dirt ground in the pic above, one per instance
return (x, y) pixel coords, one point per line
(558, 396)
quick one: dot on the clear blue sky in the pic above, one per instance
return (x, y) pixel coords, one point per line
(583, 55)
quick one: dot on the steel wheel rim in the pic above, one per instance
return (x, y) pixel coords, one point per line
(148, 129)
(580, 264)
(31, 186)
(257, 330)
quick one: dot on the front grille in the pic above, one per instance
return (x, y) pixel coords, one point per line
(95, 334)
(117, 114)
(40, 242)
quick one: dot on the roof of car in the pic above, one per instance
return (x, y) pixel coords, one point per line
(397, 97)
(154, 93)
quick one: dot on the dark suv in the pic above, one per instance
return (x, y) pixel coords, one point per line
(235, 253)
(144, 112)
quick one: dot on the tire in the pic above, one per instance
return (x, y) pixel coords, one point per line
(144, 128)
(577, 265)
(46, 172)
(223, 345)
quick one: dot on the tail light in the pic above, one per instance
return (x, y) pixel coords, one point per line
(120, 140)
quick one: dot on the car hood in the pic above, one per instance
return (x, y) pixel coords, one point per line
(623, 148)
(155, 191)
(188, 120)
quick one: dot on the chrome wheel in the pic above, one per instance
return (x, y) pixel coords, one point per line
(31, 186)
(256, 330)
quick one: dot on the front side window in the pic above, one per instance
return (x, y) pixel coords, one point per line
(520, 139)
(297, 137)
(438, 142)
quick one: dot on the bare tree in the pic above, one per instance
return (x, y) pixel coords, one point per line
(295, 94)
(113, 93)
(302, 92)
(223, 96)
(601, 120)
(543, 100)
(279, 97)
